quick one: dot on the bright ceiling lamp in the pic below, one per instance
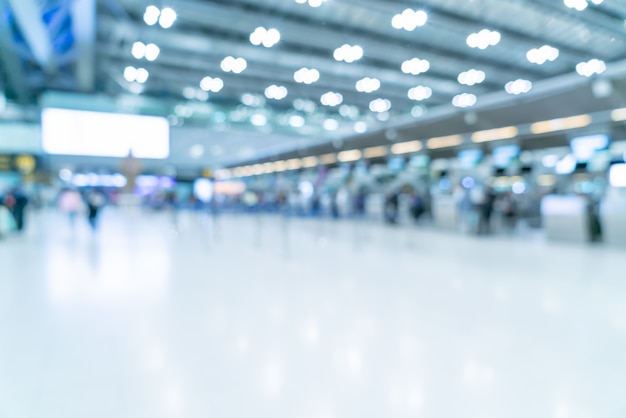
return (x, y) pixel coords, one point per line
(375, 152)
(495, 134)
(331, 124)
(409, 19)
(619, 115)
(296, 121)
(312, 3)
(328, 159)
(305, 105)
(140, 75)
(368, 85)
(591, 67)
(266, 37)
(562, 124)
(152, 52)
(406, 147)
(276, 92)
(420, 93)
(518, 87)
(258, 119)
(444, 141)
(233, 65)
(471, 77)
(294, 164)
(380, 105)
(211, 84)
(541, 55)
(252, 100)
(415, 66)
(348, 156)
(306, 75)
(579, 5)
(464, 100)
(331, 99)
(348, 53)
(308, 162)
(360, 127)
(483, 39)
(138, 50)
(167, 18)
(151, 15)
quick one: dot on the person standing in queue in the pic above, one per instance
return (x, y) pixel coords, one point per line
(95, 201)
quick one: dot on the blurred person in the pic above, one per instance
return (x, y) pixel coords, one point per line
(15, 201)
(95, 201)
(71, 203)
(509, 211)
(392, 207)
(417, 206)
(334, 205)
(486, 212)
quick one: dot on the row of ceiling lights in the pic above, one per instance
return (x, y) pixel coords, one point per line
(409, 19)
(507, 132)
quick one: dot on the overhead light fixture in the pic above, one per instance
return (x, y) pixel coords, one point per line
(212, 84)
(312, 3)
(406, 147)
(266, 37)
(579, 5)
(348, 53)
(591, 67)
(415, 66)
(331, 124)
(280, 166)
(151, 15)
(375, 152)
(308, 162)
(380, 105)
(328, 159)
(349, 156)
(409, 20)
(360, 127)
(471, 77)
(518, 86)
(233, 65)
(444, 141)
(276, 92)
(140, 75)
(306, 75)
(495, 134)
(420, 93)
(138, 50)
(331, 99)
(167, 18)
(541, 55)
(464, 100)
(619, 115)
(152, 52)
(483, 39)
(561, 124)
(294, 164)
(367, 85)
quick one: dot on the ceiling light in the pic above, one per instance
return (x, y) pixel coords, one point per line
(252, 100)
(471, 77)
(211, 84)
(306, 75)
(562, 124)
(168, 17)
(383, 116)
(445, 141)
(619, 115)
(348, 156)
(276, 92)
(495, 134)
(196, 151)
(233, 65)
(350, 112)
(296, 121)
(415, 66)
(328, 158)
(258, 119)
(464, 100)
(406, 147)
(579, 5)
(152, 52)
(266, 37)
(202, 95)
(331, 99)
(518, 87)
(360, 127)
(151, 15)
(368, 85)
(417, 111)
(139, 50)
(375, 152)
(312, 3)
(308, 162)
(420, 93)
(304, 105)
(409, 19)
(130, 74)
(541, 55)
(348, 53)
(591, 67)
(135, 88)
(331, 124)
(380, 105)
(483, 39)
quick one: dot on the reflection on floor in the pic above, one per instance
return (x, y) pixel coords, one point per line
(268, 317)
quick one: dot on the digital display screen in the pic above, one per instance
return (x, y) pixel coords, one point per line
(84, 133)
(617, 175)
(584, 147)
(502, 156)
(470, 157)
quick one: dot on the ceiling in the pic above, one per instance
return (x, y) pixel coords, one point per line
(84, 46)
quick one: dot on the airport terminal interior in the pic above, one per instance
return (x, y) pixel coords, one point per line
(312, 208)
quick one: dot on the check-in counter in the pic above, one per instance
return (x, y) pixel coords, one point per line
(566, 218)
(444, 211)
(613, 219)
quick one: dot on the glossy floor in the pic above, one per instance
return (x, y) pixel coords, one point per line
(264, 317)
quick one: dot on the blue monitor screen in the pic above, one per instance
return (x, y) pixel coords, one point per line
(584, 147)
(470, 157)
(503, 155)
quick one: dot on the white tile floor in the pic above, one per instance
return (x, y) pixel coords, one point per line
(255, 318)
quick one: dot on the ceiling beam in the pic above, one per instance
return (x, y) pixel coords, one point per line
(84, 29)
(28, 17)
